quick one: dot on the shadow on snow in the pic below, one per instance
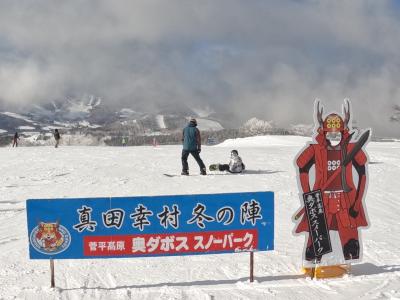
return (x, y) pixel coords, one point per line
(191, 283)
(245, 172)
(356, 270)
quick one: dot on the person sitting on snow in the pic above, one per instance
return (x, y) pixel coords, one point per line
(235, 165)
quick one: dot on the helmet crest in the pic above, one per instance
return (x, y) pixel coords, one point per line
(333, 122)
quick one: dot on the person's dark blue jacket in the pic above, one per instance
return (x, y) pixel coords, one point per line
(191, 138)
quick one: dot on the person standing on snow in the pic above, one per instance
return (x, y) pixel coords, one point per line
(191, 145)
(235, 165)
(15, 139)
(57, 137)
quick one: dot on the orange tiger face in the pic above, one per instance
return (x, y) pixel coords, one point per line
(49, 235)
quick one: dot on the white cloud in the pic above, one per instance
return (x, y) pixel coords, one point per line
(268, 59)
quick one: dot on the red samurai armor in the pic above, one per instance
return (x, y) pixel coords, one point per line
(342, 197)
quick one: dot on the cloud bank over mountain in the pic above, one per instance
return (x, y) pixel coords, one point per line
(266, 59)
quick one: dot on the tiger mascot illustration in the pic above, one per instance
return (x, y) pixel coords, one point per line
(49, 236)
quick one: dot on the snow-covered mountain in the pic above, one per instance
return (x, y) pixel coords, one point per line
(302, 129)
(255, 126)
(91, 114)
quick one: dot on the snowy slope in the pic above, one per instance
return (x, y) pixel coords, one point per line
(160, 121)
(205, 124)
(263, 141)
(16, 116)
(46, 172)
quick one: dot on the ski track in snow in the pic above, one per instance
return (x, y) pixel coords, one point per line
(46, 172)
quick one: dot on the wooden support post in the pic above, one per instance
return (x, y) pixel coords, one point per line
(52, 273)
(251, 266)
(313, 272)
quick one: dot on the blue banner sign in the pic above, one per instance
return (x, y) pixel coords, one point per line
(150, 226)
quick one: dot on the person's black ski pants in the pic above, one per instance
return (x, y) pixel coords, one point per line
(196, 155)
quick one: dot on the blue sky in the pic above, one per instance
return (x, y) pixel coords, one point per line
(247, 58)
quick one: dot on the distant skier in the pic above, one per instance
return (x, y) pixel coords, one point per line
(15, 139)
(235, 165)
(57, 137)
(191, 145)
(123, 142)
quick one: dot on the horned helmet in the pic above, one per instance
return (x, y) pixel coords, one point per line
(334, 122)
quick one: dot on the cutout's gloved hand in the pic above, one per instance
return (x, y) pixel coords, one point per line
(352, 212)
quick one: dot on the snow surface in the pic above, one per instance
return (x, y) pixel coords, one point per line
(87, 124)
(203, 112)
(80, 107)
(205, 124)
(50, 128)
(255, 126)
(72, 125)
(126, 113)
(265, 141)
(46, 172)
(30, 133)
(160, 121)
(26, 128)
(17, 116)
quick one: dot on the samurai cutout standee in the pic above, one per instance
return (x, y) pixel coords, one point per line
(332, 179)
